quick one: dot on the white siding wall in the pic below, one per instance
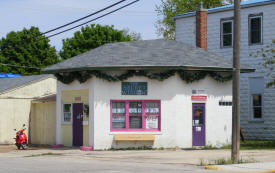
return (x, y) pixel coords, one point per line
(176, 111)
(185, 31)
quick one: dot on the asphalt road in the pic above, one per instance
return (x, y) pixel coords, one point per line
(55, 164)
(66, 160)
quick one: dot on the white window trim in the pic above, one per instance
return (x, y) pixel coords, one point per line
(232, 29)
(66, 122)
(249, 29)
(252, 107)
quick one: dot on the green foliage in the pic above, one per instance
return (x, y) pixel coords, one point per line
(267, 54)
(258, 144)
(90, 37)
(170, 8)
(187, 76)
(26, 48)
(255, 145)
(224, 161)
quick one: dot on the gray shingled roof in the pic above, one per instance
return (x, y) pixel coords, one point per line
(10, 83)
(145, 54)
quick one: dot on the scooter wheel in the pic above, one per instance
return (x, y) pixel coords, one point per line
(18, 146)
(24, 146)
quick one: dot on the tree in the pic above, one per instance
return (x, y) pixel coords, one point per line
(26, 52)
(90, 37)
(267, 54)
(134, 35)
(170, 8)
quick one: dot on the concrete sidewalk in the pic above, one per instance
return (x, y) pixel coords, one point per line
(264, 167)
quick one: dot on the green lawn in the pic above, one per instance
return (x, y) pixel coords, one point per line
(255, 144)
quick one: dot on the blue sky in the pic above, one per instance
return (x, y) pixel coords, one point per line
(47, 14)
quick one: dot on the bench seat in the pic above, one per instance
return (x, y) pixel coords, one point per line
(134, 137)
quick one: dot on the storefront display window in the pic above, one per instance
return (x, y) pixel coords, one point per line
(132, 115)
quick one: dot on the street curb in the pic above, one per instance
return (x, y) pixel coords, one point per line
(211, 167)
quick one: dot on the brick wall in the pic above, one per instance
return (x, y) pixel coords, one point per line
(201, 29)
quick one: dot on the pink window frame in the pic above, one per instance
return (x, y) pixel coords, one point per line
(127, 129)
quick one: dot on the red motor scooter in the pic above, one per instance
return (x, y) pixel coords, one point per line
(21, 139)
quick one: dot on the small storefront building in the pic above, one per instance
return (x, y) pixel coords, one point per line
(153, 93)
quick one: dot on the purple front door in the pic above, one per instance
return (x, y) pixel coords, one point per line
(77, 124)
(198, 124)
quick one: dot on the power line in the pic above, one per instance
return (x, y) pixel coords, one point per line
(19, 66)
(40, 34)
(93, 19)
(79, 20)
(82, 18)
(76, 8)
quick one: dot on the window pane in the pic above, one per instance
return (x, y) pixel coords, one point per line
(257, 105)
(67, 117)
(198, 115)
(227, 40)
(257, 112)
(257, 100)
(152, 115)
(227, 27)
(255, 30)
(255, 37)
(152, 108)
(118, 122)
(135, 108)
(135, 115)
(256, 23)
(135, 122)
(67, 108)
(152, 122)
(118, 115)
(118, 108)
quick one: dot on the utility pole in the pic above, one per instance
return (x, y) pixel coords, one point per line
(235, 151)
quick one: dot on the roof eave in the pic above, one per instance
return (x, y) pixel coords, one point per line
(188, 68)
(25, 84)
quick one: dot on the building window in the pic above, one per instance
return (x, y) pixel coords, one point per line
(67, 109)
(256, 85)
(135, 115)
(152, 113)
(118, 115)
(226, 33)
(255, 29)
(132, 115)
(225, 103)
(257, 106)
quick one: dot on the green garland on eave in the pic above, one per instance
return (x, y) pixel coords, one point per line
(188, 76)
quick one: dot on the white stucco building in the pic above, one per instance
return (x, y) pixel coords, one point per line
(147, 93)
(257, 31)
